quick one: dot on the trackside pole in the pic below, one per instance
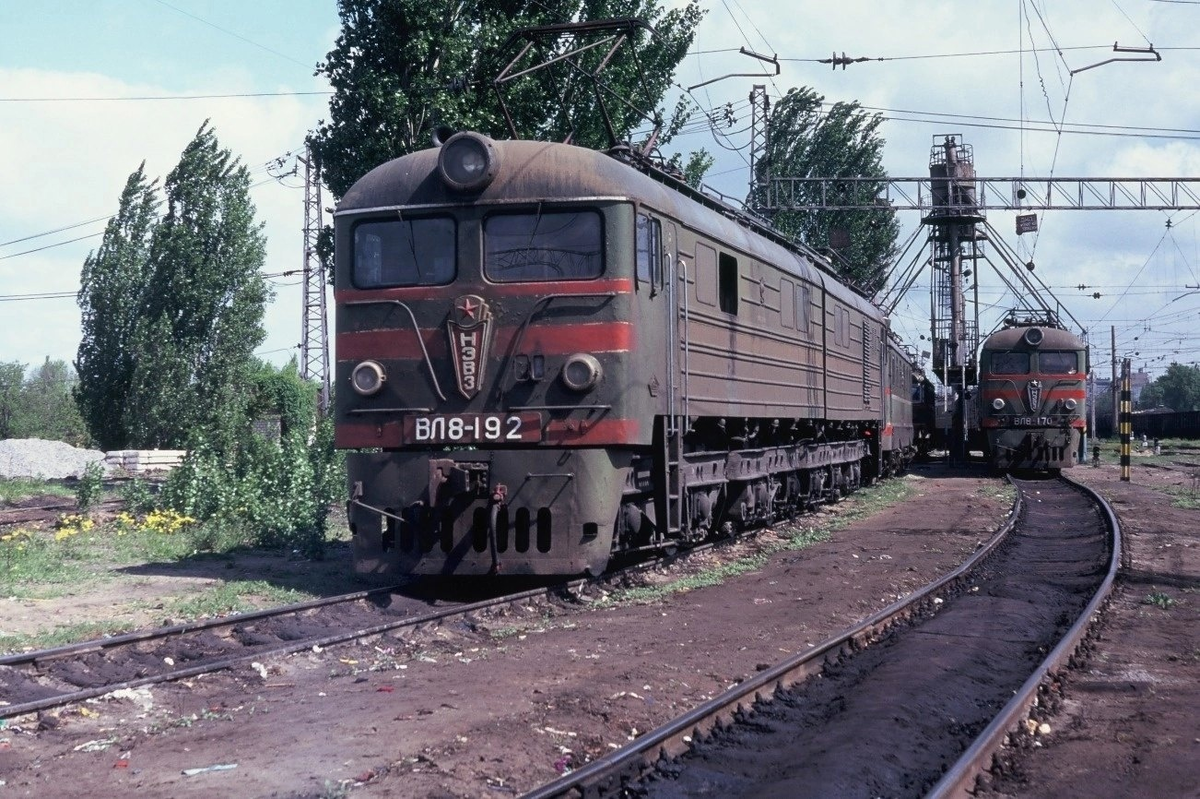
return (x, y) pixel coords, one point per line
(1126, 419)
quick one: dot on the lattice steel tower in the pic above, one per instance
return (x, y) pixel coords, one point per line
(314, 344)
(955, 242)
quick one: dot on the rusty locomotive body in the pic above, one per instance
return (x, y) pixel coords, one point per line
(546, 356)
(1033, 396)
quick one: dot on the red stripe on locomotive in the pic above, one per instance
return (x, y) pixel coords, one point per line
(400, 344)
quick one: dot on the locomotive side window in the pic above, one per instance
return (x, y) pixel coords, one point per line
(1010, 363)
(404, 252)
(649, 245)
(728, 283)
(1058, 363)
(547, 245)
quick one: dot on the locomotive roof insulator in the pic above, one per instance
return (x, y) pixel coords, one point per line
(468, 162)
(1034, 336)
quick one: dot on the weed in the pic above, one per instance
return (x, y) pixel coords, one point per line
(90, 486)
(1159, 599)
(138, 496)
(335, 790)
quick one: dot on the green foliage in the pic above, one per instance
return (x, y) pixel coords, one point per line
(1177, 389)
(172, 307)
(805, 142)
(277, 493)
(282, 392)
(90, 486)
(1159, 600)
(114, 280)
(40, 404)
(401, 68)
(137, 496)
(12, 378)
(695, 168)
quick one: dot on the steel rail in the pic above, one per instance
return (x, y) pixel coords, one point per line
(675, 737)
(45, 703)
(959, 779)
(100, 644)
(291, 647)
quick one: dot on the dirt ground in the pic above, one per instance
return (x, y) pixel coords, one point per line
(501, 704)
(1128, 722)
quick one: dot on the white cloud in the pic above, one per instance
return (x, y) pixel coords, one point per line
(75, 158)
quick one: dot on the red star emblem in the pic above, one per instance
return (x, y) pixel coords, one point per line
(468, 308)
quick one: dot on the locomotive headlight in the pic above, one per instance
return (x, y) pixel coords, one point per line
(998, 404)
(368, 378)
(1070, 404)
(468, 162)
(1034, 336)
(581, 372)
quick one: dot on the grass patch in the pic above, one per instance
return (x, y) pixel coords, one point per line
(235, 596)
(18, 488)
(1181, 497)
(861, 505)
(59, 636)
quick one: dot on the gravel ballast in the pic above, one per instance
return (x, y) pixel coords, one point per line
(48, 460)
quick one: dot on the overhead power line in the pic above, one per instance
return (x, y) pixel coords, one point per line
(156, 97)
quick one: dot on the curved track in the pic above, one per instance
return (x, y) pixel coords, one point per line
(928, 694)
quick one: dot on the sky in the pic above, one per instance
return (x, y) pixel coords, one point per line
(83, 82)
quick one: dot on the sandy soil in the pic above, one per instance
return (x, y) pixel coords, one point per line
(498, 705)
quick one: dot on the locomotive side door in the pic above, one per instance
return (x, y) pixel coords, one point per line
(673, 497)
(670, 278)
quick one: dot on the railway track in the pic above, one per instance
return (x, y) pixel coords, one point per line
(40, 680)
(48, 512)
(917, 699)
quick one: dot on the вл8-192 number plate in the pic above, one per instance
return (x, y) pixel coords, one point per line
(474, 428)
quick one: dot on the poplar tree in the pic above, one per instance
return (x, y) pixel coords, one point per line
(173, 307)
(111, 296)
(805, 142)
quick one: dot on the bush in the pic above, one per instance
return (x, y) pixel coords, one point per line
(90, 487)
(137, 496)
(278, 493)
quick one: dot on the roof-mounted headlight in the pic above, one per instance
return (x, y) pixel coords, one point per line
(468, 162)
(368, 378)
(581, 372)
(1034, 336)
